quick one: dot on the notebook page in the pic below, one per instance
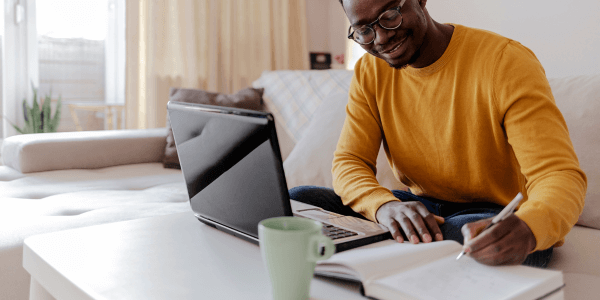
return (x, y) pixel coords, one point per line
(465, 279)
(387, 257)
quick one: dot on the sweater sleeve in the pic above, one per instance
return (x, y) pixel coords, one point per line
(354, 162)
(538, 135)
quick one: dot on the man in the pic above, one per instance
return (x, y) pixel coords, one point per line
(467, 120)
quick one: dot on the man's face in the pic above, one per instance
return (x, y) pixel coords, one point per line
(398, 47)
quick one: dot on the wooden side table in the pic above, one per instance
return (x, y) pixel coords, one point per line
(113, 114)
(166, 257)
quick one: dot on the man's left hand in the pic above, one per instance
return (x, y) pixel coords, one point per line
(508, 242)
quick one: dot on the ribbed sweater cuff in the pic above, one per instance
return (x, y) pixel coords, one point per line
(539, 227)
(376, 200)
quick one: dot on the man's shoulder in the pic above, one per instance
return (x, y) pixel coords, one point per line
(476, 36)
(492, 44)
(484, 49)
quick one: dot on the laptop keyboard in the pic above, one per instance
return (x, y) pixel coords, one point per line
(334, 232)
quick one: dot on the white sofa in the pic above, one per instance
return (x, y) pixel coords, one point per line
(52, 182)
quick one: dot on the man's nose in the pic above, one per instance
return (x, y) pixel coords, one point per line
(382, 35)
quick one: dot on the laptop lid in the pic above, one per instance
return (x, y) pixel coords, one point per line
(232, 165)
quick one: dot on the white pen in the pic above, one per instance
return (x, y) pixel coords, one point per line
(505, 213)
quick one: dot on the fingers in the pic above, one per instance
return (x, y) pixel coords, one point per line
(411, 218)
(432, 224)
(406, 223)
(422, 224)
(432, 228)
(493, 234)
(508, 242)
(394, 230)
(471, 230)
(439, 220)
(501, 252)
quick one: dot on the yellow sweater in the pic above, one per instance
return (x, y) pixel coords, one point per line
(479, 124)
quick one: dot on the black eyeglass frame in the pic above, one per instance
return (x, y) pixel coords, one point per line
(398, 8)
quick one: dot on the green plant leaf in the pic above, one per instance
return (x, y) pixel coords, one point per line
(28, 128)
(20, 130)
(36, 114)
(17, 128)
(25, 116)
(38, 117)
(56, 119)
(46, 114)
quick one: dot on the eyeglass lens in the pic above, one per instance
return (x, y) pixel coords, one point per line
(390, 19)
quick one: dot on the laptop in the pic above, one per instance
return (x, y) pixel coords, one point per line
(233, 170)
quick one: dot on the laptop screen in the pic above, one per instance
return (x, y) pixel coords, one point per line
(231, 164)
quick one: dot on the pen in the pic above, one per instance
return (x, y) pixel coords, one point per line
(505, 213)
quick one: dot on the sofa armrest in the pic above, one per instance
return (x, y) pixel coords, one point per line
(83, 150)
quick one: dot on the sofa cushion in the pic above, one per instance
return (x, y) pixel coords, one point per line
(578, 98)
(579, 260)
(82, 150)
(580, 253)
(311, 160)
(133, 177)
(248, 98)
(64, 199)
(8, 173)
(581, 286)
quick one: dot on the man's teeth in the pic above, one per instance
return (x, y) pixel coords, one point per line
(395, 48)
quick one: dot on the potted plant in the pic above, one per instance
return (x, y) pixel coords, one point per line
(38, 118)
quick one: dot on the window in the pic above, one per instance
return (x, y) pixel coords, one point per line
(354, 52)
(1, 60)
(71, 48)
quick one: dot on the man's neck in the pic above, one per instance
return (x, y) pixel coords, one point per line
(436, 41)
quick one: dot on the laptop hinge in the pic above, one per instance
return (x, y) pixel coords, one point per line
(227, 229)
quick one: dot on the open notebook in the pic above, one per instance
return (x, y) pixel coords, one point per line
(390, 270)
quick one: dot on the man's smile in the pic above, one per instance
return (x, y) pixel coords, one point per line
(394, 50)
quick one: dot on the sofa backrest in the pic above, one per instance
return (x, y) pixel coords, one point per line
(294, 97)
(578, 98)
(83, 149)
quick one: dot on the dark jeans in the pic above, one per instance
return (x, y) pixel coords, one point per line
(455, 214)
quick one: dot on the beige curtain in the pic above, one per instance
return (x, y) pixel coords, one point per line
(215, 45)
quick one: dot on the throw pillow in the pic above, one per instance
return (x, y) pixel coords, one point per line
(310, 161)
(248, 98)
(293, 96)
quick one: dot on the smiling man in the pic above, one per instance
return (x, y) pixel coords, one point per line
(467, 120)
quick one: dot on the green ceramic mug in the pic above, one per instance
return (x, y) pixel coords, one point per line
(290, 248)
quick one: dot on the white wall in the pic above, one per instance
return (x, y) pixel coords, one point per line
(327, 26)
(564, 35)
(318, 25)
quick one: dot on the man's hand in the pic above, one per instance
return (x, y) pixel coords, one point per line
(508, 242)
(413, 219)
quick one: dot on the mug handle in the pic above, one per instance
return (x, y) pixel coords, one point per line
(313, 248)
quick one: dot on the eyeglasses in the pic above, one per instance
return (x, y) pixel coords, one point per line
(389, 19)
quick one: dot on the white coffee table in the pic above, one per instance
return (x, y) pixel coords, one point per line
(166, 257)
